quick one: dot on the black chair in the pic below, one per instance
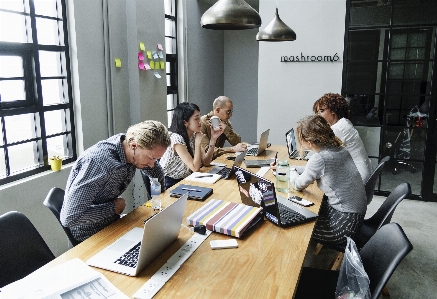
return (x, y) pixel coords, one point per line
(371, 182)
(380, 256)
(383, 215)
(54, 201)
(22, 249)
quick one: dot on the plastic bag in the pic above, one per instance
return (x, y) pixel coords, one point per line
(353, 281)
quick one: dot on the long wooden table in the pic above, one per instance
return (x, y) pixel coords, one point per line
(267, 263)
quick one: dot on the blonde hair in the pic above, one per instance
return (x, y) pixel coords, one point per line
(316, 129)
(148, 134)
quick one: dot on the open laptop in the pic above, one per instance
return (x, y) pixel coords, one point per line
(227, 172)
(257, 191)
(257, 149)
(146, 243)
(293, 153)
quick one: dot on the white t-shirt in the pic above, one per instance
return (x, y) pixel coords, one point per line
(172, 164)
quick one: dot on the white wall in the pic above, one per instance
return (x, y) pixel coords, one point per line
(287, 91)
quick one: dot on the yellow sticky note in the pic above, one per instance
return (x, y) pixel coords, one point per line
(152, 64)
(142, 47)
(149, 54)
(117, 62)
(157, 65)
(162, 64)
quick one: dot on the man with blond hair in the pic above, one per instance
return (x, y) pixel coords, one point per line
(103, 172)
(222, 107)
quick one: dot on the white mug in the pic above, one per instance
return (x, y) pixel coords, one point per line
(215, 121)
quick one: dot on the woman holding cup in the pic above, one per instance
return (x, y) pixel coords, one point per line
(185, 154)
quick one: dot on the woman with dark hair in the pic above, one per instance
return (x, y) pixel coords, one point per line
(185, 154)
(331, 166)
(335, 109)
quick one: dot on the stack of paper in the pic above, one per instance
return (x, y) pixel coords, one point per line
(203, 177)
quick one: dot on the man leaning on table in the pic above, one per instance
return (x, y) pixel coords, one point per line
(223, 108)
(103, 172)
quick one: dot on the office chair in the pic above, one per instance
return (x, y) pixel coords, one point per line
(371, 182)
(22, 249)
(54, 201)
(383, 215)
(380, 256)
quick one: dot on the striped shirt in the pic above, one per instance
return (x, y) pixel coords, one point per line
(100, 175)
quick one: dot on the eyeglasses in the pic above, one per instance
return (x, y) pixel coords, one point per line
(229, 112)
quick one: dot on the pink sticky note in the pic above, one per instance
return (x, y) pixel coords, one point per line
(159, 46)
(146, 66)
(140, 55)
(141, 65)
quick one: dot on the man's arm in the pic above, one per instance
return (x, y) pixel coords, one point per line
(153, 172)
(232, 136)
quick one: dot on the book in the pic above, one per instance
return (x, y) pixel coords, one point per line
(229, 218)
(203, 177)
(194, 192)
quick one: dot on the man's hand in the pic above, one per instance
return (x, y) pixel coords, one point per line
(240, 147)
(120, 204)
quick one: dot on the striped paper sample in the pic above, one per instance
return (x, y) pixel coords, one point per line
(224, 217)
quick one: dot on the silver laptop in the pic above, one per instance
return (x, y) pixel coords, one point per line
(227, 172)
(146, 243)
(257, 149)
(293, 153)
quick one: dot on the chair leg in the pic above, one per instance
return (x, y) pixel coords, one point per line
(336, 263)
(317, 249)
(385, 292)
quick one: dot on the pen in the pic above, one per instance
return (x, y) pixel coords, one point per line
(188, 189)
(276, 156)
(203, 176)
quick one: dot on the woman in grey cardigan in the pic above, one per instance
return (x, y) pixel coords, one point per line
(331, 166)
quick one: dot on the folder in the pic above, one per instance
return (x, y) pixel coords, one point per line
(194, 192)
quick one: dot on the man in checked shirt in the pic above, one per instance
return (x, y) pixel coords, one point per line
(103, 172)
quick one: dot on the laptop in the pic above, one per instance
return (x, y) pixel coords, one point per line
(260, 192)
(257, 149)
(293, 153)
(227, 172)
(146, 243)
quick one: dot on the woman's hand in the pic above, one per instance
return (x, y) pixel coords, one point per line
(216, 133)
(273, 166)
(198, 139)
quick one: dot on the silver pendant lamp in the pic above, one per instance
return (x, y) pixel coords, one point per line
(276, 31)
(230, 15)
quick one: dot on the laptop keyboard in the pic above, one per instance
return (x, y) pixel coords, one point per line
(288, 215)
(251, 152)
(224, 172)
(130, 258)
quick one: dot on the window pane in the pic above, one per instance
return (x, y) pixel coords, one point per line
(48, 8)
(56, 146)
(53, 91)
(12, 5)
(11, 66)
(12, 90)
(2, 164)
(16, 28)
(395, 173)
(55, 122)
(20, 127)
(169, 7)
(370, 16)
(23, 157)
(50, 63)
(170, 28)
(170, 45)
(48, 33)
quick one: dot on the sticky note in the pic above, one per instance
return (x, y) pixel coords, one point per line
(152, 65)
(155, 55)
(159, 46)
(157, 65)
(162, 64)
(146, 66)
(117, 62)
(140, 55)
(141, 65)
(149, 54)
(157, 75)
(160, 55)
(142, 47)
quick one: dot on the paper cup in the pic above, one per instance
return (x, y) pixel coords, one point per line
(215, 121)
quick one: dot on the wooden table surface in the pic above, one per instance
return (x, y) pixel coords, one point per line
(266, 264)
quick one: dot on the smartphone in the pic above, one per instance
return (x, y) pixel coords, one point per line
(231, 158)
(300, 200)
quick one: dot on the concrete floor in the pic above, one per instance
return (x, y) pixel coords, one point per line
(415, 277)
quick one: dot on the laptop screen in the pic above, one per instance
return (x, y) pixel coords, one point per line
(291, 141)
(256, 191)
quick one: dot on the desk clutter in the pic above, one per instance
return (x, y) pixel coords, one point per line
(194, 192)
(227, 218)
(202, 177)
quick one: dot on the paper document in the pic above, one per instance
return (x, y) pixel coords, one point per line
(70, 280)
(203, 177)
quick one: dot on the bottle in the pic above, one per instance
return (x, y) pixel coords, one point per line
(155, 191)
(283, 176)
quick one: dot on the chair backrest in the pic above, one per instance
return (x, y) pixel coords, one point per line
(22, 249)
(382, 254)
(371, 182)
(54, 201)
(385, 212)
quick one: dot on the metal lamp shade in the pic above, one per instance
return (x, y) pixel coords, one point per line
(230, 15)
(276, 31)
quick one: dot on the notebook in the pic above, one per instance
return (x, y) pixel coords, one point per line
(259, 192)
(257, 149)
(293, 153)
(148, 242)
(194, 192)
(227, 172)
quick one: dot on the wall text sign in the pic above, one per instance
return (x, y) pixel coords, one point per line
(308, 58)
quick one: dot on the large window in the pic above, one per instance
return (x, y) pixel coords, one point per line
(171, 68)
(36, 106)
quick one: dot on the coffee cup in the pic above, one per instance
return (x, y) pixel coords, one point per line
(215, 121)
